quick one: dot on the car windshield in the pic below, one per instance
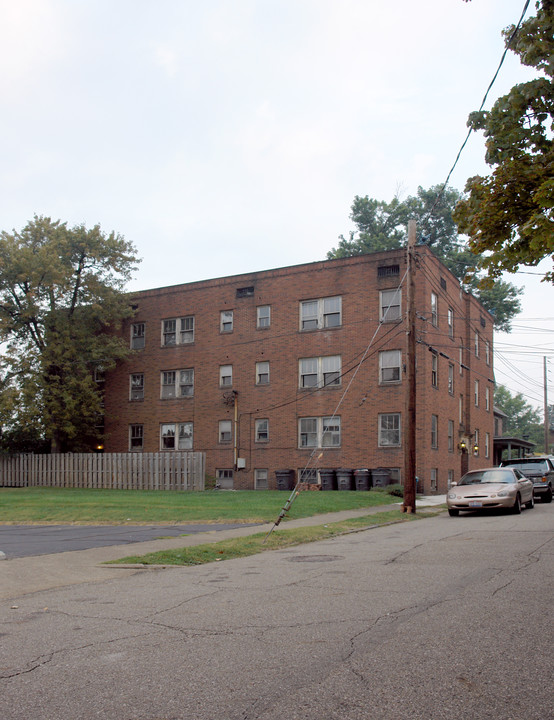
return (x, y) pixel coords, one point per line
(488, 476)
(530, 466)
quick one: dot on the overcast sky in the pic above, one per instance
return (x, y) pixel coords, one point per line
(226, 136)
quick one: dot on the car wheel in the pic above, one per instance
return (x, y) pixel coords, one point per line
(531, 504)
(547, 497)
(516, 509)
(453, 513)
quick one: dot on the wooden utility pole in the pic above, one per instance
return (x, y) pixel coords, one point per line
(546, 418)
(410, 418)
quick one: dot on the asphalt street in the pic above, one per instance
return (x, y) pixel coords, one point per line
(439, 618)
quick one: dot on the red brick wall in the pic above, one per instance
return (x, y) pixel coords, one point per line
(283, 344)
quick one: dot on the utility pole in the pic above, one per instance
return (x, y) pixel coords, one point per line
(546, 418)
(410, 419)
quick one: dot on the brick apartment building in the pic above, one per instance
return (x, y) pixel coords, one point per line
(303, 368)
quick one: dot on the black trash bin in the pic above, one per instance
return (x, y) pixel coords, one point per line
(328, 479)
(345, 479)
(381, 477)
(285, 479)
(362, 479)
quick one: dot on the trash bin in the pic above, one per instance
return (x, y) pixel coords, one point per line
(345, 479)
(285, 479)
(362, 479)
(381, 477)
(328, 479)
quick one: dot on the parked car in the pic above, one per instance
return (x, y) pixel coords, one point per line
(489, 489)
(540, 470)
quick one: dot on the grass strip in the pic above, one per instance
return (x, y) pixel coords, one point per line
(41, 505)
(257, 543)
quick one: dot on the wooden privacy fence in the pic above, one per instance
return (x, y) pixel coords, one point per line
(110, 471)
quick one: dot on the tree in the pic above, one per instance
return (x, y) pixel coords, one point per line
(382, 226)
(61, 292)
(508, 215)
(522, 420)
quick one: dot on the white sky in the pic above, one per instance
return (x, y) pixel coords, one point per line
(226, 136)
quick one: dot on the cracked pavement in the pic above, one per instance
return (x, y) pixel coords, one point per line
(440, 618)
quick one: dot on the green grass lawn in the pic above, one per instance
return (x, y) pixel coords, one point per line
(64, 505)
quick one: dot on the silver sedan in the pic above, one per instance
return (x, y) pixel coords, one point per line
(489, 489)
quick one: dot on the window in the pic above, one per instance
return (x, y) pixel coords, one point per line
(137, 386)
(390, 302)
(434, 309)
(487, 352)
(262, 430)
(389, 366)
(389, 430)
(225, 375)
(136, 437)
(451, 378)
(224, 431)
(224, 479)
(245, 292)
(226, 321)
(176, 436)
(320, 372)
(260, 480)
(476, 344)
(450, 320)
(487, 445)
(262, 373)
(487, 399)
(263, 316)
(308, 475)
(177, 383)
(434, 474)
(137, 336)
(451, 436)
(434, 431)
(434, 370)
(322, 313)
(477, 393)
(178, 331)
(319, 432)
(450, 478)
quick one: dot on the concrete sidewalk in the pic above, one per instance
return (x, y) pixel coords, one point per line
(21, 576)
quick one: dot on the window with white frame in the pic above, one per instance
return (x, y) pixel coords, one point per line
(320, 372)
(262, 430)
(226, 321)
(225, 478)
(136, 382)
(476, 344)
(307, 475)
(317, 432)
(136, 437)
(225, 430)
(487, 399)
(487, 352)
(434, 369)
(434, 309)
(178, 331)
(450, 320)
(390, 305)
(225, 375)
(262, 373)
(261, 479)
(321, 313)
(177, 383)
(137, 336)
(176, 436)
(476, 388)
(451, 436)
(263, 316)
(389, 430)
(487, 445)
(451, 379)
(390, 362)
(434, 431)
